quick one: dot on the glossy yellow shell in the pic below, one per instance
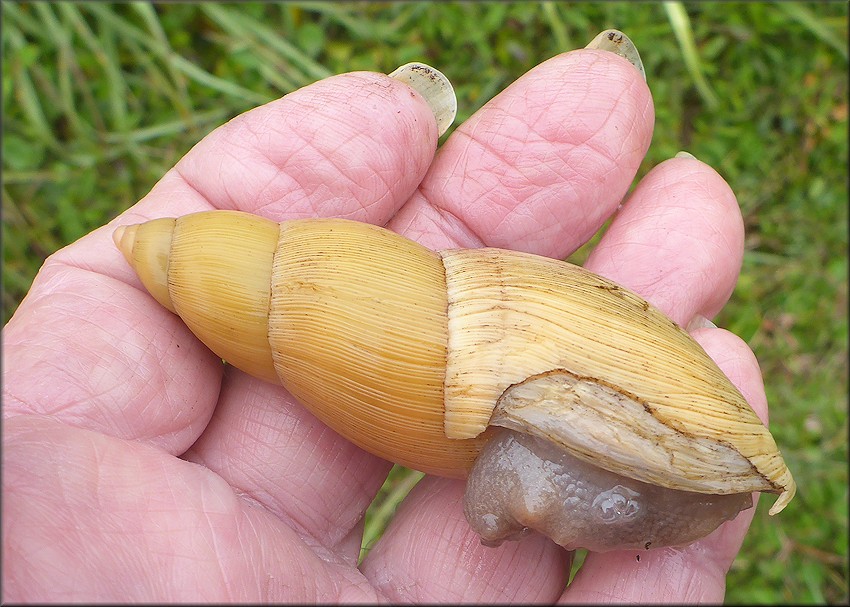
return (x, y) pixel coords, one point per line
(412, 354)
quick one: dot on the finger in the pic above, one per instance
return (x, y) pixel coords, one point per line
(542, 165)
(448, 563)
(87, 337)
(697, 572)
(276, 454)
(355, 146)
(678, 241)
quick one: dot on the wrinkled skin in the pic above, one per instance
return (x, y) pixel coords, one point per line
(137, 468)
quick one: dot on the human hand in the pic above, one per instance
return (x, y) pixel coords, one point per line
(137, 467)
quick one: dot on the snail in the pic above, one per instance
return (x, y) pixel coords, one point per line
(572, 406)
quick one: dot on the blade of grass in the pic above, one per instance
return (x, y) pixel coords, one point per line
(104, 44)
(29, 225)
(154, 74)
(47, 37)
(268, 63)
(64, 68)
(234, 23)
(117, 90)
(81, 81)
(338, 12)
(155, 78)
(810, 21)
(559, 30)
(180, 96)
(12, 10)
(11, 176)
(168, 128)
(681, 24)
(381, 515)
(188, 68)
(25, 92)
(223, 86)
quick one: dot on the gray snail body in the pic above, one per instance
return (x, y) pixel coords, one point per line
(419, 357)
(521, 482)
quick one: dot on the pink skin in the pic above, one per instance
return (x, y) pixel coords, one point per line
(136, 468)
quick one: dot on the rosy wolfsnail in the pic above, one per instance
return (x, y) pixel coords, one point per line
(574, 407)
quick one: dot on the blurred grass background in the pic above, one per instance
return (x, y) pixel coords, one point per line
(99, 100)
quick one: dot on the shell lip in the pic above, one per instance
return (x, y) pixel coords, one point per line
(639, 445)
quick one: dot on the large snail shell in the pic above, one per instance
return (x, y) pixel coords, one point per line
(412, 354)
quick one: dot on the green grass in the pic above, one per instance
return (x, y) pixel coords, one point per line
(100, 100)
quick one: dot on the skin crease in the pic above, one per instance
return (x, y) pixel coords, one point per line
(136, 468)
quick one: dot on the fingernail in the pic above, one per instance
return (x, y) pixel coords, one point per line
(433, 85)
(700, 322)
(619, 44)
(684, 154)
